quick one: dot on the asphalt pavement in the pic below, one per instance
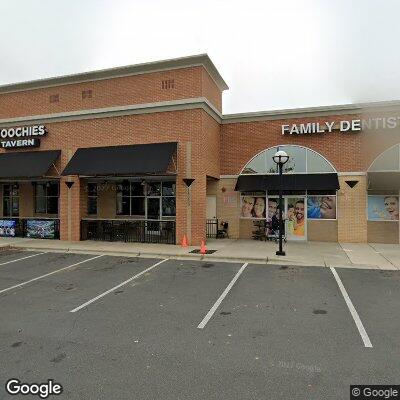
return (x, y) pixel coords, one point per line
(108, 327)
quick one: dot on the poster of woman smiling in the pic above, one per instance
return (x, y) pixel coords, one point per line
(383, 208)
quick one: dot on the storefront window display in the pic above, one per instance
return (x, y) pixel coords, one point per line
(383, 208)
(11, 200)
(46, 197)
(148, 200)
(321, 207)
(253, 206)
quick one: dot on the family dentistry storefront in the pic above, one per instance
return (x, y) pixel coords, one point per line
(143, 153)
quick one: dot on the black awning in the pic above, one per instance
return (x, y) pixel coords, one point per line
(253, 183)
(140, 159)
(383, 180)
(27, 164)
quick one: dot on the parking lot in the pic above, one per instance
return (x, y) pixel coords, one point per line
(108, 327)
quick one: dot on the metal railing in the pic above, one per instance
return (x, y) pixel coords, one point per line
(140, 231)
(211, 228)
(38, 228)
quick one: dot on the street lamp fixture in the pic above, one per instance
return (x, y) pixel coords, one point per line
(280, 158)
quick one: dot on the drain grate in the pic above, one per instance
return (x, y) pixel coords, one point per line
(197, 251)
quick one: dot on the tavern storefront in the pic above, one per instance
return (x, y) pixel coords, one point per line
(149, 157)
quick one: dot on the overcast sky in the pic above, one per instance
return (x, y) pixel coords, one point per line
(272, 54)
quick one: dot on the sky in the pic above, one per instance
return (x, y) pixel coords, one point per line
(272, 54)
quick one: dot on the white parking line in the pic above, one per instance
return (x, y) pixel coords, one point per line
(23, 258)
(203, 323)
(116, 287)
(50, 273)
(353, 311)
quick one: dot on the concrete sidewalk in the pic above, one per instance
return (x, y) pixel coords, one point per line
(338, 255)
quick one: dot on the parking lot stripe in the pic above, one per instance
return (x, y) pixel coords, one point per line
(353, 311)
(116, 287)
(20, 259)
(50, 273)
(203, 323)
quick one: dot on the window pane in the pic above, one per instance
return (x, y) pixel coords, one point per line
(153, 208)
(256, 166)
(316, 163)
(387, 161)
(137, 189)
(272, 167)
(92, 205)
(52, 205)
(124, 188)
(137, 204)
(92, 189)
(154, 189)
(6, 206)
(40, 189)
(52, 189)
(383, 208)
(15, 190)
(15, 206)
(123, 205)
(321, 207)
(297, 159)
(6, 190)
(168, 207)
(168, 188)
(40, 204)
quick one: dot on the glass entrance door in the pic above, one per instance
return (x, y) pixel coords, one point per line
(153, 213)
(295, 218)
(294, 214)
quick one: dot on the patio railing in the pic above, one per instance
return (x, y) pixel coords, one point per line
(211, 228)
(142, 231)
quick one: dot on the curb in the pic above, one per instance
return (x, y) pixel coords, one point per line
(188, 256)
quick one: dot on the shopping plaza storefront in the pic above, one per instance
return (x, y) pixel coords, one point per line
(144, 154)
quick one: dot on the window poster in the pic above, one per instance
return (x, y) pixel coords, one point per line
(7, 228)
(295, 217)
(41, 229)
(321, 207)
(253, 207)
(383, 208)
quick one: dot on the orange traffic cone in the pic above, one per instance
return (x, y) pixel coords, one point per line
(203, 248)
(184, 241)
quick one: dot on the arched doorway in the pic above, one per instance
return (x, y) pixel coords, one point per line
(309, 184)
(383, 197)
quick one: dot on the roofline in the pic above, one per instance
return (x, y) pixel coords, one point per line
(342, 109)
(117, 72)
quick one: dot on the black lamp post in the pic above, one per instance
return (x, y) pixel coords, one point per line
(280, 158)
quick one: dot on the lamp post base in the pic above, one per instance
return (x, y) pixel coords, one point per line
(280, 253)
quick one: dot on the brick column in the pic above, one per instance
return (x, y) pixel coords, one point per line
(198, 215)
(71, 208)
(352, 210)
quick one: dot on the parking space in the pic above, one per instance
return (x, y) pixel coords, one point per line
(277, 332)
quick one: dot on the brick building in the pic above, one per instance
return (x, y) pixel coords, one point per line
(144, 153)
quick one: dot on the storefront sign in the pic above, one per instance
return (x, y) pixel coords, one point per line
(22, 136)
(7, 228)
(354, 125)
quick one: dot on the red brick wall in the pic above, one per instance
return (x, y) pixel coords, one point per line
(242, 141)
(346, 151)
(211, 90)
(135, 89)
(176, 126)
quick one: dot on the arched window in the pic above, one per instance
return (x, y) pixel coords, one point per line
(301, 161)
(388, 161)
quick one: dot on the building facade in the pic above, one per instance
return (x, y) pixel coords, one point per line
(144, 153)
